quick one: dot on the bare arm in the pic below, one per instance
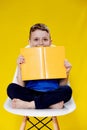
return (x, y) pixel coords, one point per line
(68, 68)
(20, 61)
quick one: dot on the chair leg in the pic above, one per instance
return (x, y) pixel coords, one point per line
(54, 119)
(23, 125)
(55, 123)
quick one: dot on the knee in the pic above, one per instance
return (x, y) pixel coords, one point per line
(69, 90)
(10, 90)
(69, 93)
(10, 87)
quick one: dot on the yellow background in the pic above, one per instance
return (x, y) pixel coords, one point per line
(67, 20)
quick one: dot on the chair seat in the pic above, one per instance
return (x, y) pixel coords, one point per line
(68, 108)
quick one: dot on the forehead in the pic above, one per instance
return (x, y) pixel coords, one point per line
(39, 33)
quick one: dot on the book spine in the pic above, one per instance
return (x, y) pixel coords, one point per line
(43, 75)
(44, 56)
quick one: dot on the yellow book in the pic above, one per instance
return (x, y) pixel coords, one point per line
(43, 63)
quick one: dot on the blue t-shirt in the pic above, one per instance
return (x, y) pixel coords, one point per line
(43, 85)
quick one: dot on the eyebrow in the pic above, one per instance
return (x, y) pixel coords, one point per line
(42, 37)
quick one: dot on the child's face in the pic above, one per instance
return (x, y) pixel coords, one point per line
(40, 38)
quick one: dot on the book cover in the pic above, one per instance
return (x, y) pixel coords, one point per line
(43, 63)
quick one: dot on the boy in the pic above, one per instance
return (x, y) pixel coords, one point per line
(39, 94)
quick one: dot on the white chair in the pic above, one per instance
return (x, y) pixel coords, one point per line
(68, 108)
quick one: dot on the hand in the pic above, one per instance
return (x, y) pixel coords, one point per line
(68, 66)
(20, 60)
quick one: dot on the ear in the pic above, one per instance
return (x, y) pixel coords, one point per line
(50, 41)
(29, 41)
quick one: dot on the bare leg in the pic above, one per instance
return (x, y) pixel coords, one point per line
(57, 105)
(17, 103)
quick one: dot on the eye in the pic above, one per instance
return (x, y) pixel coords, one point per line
(45, 39)
(36, 39)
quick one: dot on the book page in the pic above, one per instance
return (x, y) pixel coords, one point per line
(33, 68)
(54, 62)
